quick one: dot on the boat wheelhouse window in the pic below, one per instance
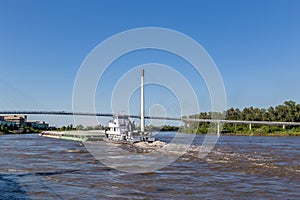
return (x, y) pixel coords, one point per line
(122, 120)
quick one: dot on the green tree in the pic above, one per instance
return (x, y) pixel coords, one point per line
(272, 115)
(79, 127)
(63, 128)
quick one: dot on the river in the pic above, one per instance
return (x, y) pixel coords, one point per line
(239, 167)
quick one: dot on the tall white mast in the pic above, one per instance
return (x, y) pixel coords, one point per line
(142, 103)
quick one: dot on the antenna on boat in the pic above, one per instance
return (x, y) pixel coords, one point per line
(142, 103)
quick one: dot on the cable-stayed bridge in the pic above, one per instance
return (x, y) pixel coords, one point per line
(186, 120)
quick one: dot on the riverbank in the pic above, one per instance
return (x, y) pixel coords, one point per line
(19, 132)
(262, 134)
(286, 133)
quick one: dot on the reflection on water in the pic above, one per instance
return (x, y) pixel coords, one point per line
(33, 167)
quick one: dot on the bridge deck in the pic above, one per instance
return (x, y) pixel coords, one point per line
(218, 121)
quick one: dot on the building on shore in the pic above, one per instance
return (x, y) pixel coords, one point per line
(37, 124)
(19, 120)
(3, 122)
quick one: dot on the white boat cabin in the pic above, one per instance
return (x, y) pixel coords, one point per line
(121, 128)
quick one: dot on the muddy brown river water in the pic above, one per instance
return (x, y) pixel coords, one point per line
(239, 167)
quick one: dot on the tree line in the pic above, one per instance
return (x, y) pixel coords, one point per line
(14, 129)
(289, 111)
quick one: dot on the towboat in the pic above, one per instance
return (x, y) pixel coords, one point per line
(122, 130)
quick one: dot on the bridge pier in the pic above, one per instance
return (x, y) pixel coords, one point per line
(250, 126)
(218, 128)
(283, 126)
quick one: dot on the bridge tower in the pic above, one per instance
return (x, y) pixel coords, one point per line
(142, 103)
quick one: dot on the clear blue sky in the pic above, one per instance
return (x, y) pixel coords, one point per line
(255, 44)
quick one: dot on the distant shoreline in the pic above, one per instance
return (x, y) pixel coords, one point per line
(19, 133)
(227, 134)
(262, 134)
(283, 134)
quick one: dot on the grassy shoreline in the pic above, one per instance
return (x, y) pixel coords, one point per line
(262, 134)
(283, 134)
